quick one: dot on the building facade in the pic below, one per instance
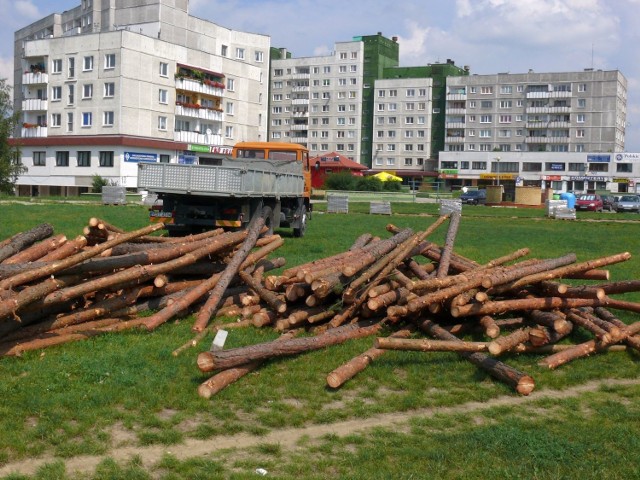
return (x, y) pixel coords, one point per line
(103, 87)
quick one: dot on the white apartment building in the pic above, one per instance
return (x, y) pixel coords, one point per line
(104, 86)
(537, 112)
(317, 101)
(402, 125)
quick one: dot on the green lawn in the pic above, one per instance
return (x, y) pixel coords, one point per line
(81, 398)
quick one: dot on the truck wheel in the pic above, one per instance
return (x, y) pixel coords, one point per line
(267, 214)
(299, 231)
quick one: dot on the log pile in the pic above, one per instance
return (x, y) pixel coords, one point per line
(404, 291)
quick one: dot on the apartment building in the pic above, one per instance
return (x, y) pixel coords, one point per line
(104, 86)
(559, 131)
(326, 102)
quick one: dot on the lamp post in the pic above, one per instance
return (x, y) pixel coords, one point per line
(497, 159)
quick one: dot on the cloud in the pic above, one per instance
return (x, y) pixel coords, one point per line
(6, 69)
(27, 9)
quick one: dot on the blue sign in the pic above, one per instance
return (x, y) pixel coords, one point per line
(598, 158)
(136, 157)
(556, 166)
(187, 159)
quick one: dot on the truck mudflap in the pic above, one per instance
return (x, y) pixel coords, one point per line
(161, 216)
(229, 223)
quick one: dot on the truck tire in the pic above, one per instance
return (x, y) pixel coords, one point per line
(299, 231)
(267, 214)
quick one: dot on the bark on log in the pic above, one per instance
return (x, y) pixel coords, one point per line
(37, 250)
(552, 319)
(545, 303)
(23, 240)
(447, 249)
(221, 360)
(347, 371)
(70, 247)
(428, 345)
(521, 382)
(507, 342)
(490, 327)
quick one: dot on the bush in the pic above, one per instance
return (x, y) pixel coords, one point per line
(97, 183)
(340, 181)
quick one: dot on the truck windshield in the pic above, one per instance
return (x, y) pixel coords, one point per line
(250, 154)
(282, 155)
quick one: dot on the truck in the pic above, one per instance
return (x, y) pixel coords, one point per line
(272, 178)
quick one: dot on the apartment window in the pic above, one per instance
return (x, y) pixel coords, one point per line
(56, 94)
(84, 158)
(343, 55)
(162, 123)
(224, 50)
(505, 118)
(87, 63)
(577, 167)
(391, 147)
(229, 108)
(391, 161)
(342, 69)
(240, 53)
(392, 121)
(408, 162)
(580, 118)
(580, 133)
(485, 118)
(87, 90)
(486, 104)
(506, 103)
(56, 65)
(163, 96)
(393, 107)
(231, 84)
(107, 119)
(109, 89)
(473, 90)
(70, 94)
(420, 133)
(56, 119)
(409, 106)
(411, 92)
(408, 148)
(259, 56)
(69, 122)
(624, 167)
(519, 118)
(276, 109)
(164, 69)
(408, 120)
(326, 69)
(326, 82)
(472, 104)
(408, 134)
(485, 147)
(39, 159)
(106, 159)
(506, 89)
(228, 131)
(485, 133)
(164, 158)
(87, 119)
(71, 67)
(110, 61)
(62, 159)
(582, 102)
(582, 87)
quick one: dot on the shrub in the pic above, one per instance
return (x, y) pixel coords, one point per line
(97, 183)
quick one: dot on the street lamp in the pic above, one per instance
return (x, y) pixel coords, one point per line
(497, 179)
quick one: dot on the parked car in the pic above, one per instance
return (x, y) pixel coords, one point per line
(474, 197)
(607, 202)
(627, 203)
(589, 201)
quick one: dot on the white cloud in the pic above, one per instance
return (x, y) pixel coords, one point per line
(6, 69)
(27, 9)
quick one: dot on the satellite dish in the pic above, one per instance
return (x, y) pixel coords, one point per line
(209, 132)
(464, 189)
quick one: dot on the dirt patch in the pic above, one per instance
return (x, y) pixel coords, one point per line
(289, 438)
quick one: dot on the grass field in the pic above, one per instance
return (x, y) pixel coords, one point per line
(121, 406)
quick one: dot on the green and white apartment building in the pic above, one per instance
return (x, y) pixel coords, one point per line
(103, 87)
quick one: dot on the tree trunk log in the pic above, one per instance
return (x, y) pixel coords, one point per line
(23, 240)
(508, 342)
(428, 345)
(37, 250)
(545, 303)
(447, 249)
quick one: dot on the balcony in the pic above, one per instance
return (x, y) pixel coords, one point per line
(455, 125)
(537, 125)
(455, 111)
(455, 139)
(34, 105)
(300, 101)
(33, 132)
(215, 89)
(302, 114)
(301, 76)
(537, 110)
(197, 138)
(301, 89)
(35, 78)
(563, 109)
(560, 94)
(559, 124)
(536, 139)
(456, 96)
(202, 113)
(300, 127)
(538, 94)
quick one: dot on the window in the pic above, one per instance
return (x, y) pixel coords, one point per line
(411, 92)
(164, 158)
(240, 53)
(84, 158)
(472, 104)
(87, 90)
(231, 84)
(582, 87)
(163, 96)
(342, 69)
(486, 90)
(326, 69)
(259, 56)
(162, 123)
(163, 70)
(624, 167)
(506, 89)
(224, 50)
(408, 162)
(110, 61)
(485, 133)
(62, 159)
(109, 89)
(71, 67)
(391, 161)
(580, 118)
(391, 147)
(106, 159)
(505, 118)
(408, 120)
(506, 103)
(56, 94)
(485, 118)
(56, 119)
(409, 106)
(580, 133)
(582, 102)
(87, 119)
(39, 159)
(56, 65)
(69, 122)
(343, 55)
(87, 63)
(229, 108)
(107, 119)
(326, 82)
(577, 167)
(486, 104)
(70, 94)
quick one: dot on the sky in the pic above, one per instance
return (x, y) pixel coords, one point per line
(490, 36)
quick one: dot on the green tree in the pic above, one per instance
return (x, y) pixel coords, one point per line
(10, 166)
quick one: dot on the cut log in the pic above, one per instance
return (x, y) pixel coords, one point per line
(23, 240)
(234, 357)
(525, 304)
(37, 250)
(428, 345)
(447, 249)
(507, 342)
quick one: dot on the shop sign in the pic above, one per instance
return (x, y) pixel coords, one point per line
(449, 171)
(598, 158)
(501, 176)
(199, 148)
(556, 166)
(621, 180)
(136, 157)
(186, 159)
(221, 150)
(627, 157)
(552, 178)
(588, 179)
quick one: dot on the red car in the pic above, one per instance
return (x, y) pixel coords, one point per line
(590, 201)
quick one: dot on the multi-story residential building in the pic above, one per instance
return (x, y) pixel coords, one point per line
(537, 112)
(559, 131)
(104, 86)
(326, 102)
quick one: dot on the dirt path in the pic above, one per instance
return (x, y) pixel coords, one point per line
(288, 438)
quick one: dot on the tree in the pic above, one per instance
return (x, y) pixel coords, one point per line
(10, 166)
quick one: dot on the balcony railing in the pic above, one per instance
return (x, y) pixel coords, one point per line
(203, 113)
(198, 138)
(456, 96)
(560, 94)
(300, 101)
(35, 78)
(456, 111)
(34, 105)
(538, 94)
(195, 86)
(300, 127)
(537, 110)
(33, 132)
(458, 139)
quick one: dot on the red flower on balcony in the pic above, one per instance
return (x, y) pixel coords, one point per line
(30, 125)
